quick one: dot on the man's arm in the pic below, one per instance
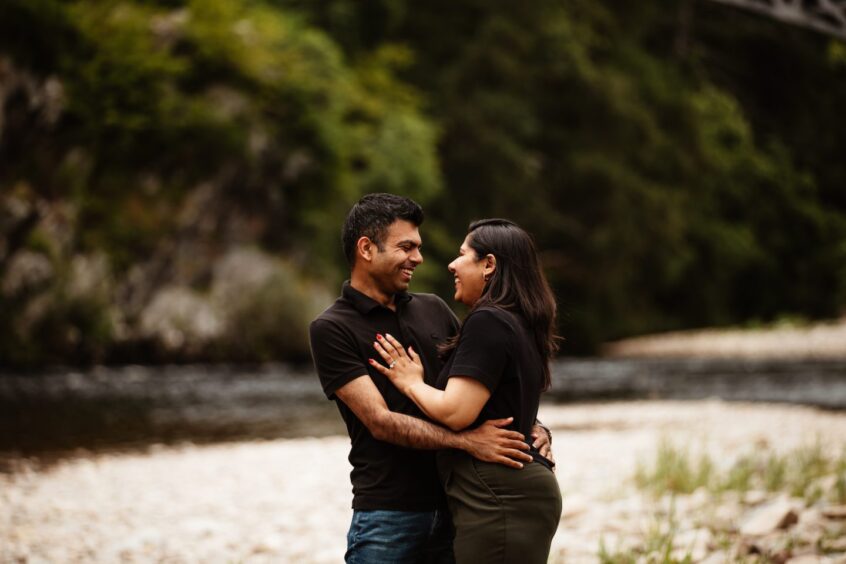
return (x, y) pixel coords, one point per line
(490, 442)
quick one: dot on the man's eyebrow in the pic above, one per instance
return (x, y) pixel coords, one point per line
(409, 242)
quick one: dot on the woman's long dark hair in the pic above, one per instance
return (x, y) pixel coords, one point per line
(517, 285)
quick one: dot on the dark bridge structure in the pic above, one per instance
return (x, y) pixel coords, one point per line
(824, 16)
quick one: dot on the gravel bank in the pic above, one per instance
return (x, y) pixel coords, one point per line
(288, 500)
(815, 342)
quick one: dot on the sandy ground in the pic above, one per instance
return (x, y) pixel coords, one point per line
(289, 500)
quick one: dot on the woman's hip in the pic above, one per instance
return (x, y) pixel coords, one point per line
(500, 514)
(465, 478)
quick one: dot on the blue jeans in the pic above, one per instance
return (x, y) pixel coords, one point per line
(388, 537)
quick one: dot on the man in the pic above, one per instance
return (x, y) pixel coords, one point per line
(399, 508)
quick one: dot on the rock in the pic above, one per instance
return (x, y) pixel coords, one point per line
(240, 272)
(719, 557)
(26, 269)
(834, 512)
(699, 498)
(810, 516)
(685, 504)
(799, 552)
(90, 277)
(179, 317)
(694, 542)
(835, 545)
(755, 497)
(810, 528)
(201, 527)
(724, 518)
(270, 544)
(616, 543)
(774, 547)
(573, 506)
(169, 28)
(821, 487)
(778, 514)
(806, 559)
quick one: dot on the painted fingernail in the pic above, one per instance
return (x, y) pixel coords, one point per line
(378, 336)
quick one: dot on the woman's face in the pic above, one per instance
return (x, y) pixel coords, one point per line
(469, 274)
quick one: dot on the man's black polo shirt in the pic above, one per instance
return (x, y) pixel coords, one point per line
(384, 476)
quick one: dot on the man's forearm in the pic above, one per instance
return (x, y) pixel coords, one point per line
(490, 442)
(408, 431)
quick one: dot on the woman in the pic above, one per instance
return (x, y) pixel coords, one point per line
(496, 367)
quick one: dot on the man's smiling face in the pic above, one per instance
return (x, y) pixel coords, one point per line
(393, 266)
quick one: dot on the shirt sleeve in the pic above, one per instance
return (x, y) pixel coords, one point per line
(483, 349)
(335, 355)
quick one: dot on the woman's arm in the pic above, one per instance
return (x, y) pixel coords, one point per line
(456, 407)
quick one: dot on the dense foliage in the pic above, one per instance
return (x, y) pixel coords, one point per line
(679, 164)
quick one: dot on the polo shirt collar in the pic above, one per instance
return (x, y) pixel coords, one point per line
(364, 303)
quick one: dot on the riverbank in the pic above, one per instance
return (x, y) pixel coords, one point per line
(288, 500)
(819, 341)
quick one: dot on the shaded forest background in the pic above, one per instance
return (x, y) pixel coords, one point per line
(173, 173)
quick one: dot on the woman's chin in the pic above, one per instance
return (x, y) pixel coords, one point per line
(461, 299)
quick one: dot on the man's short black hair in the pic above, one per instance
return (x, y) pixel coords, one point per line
(371, 216)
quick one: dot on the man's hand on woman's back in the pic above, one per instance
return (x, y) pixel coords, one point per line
(492, 442)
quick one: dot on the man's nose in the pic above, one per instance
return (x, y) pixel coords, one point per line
(417, 256)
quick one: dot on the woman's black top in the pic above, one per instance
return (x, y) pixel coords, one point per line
(496, 348)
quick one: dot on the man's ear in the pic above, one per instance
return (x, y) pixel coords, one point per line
(365, 247)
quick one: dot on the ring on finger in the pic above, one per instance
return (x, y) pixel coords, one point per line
(391, 365)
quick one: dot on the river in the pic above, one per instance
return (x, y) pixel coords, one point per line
(107, 408)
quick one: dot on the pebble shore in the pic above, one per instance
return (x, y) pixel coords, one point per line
(289, 500)
(817, 341)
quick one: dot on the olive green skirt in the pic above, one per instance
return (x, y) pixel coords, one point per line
(501, 514)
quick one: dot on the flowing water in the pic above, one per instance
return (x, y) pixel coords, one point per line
(136, 406)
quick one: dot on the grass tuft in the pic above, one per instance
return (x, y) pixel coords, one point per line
(674, 471)
(658, 546)
(807, 472)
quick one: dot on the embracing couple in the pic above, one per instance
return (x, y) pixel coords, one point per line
(441, 414)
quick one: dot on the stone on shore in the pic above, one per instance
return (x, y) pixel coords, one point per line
(777, 514)
(835, 512)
